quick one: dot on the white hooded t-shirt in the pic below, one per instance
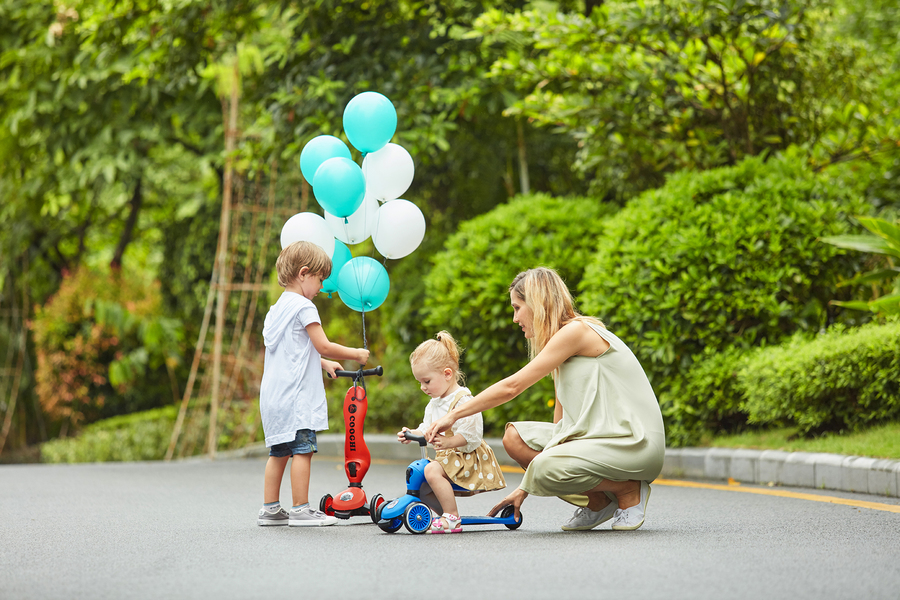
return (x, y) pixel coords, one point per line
(292, 393)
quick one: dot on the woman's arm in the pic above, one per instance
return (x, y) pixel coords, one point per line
(557, 411)
(570, 340)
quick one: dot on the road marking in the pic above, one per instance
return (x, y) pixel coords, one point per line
(782, 493)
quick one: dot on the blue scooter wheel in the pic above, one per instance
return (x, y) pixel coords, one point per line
(391, 526)
(417, 518)
(509, 511)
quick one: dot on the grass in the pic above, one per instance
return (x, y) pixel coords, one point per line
(882, 441)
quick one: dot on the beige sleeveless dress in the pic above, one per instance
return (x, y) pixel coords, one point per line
(611, 427)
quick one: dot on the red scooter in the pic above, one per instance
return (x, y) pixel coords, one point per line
(352, 501)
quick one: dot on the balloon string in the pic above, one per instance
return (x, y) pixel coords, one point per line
(365, 342)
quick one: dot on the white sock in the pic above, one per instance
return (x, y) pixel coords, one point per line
(272, 506)
(301, 507)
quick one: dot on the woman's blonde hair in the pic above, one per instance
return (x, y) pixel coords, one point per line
(440, 353)
(545, 293)
(297, 255)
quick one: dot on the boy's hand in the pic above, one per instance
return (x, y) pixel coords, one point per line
(330, 367)
(362, 356)
(402, 437)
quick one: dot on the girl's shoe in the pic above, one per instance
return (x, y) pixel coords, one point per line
(446, 523)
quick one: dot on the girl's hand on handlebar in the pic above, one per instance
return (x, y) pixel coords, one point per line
(401, 437)
(362, 356)
(515, 500)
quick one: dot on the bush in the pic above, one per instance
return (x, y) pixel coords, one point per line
(843, 380)
(721, 259)
(138, 436)
(707, 398)
(466, 292)
(95, 323)
(146, 435)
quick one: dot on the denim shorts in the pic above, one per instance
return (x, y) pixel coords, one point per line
(304, 443)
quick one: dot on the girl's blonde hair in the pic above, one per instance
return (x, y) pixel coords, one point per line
(298, 255)
(440, 353)
(545, 293)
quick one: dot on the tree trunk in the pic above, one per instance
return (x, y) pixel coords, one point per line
(590, 5)
(137, 199)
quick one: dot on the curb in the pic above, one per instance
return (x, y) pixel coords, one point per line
(861, 474)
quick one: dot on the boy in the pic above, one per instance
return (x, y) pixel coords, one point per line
(292, 393)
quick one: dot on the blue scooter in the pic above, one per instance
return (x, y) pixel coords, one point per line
(415, 515)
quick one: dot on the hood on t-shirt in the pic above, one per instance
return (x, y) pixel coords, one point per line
(281, 318)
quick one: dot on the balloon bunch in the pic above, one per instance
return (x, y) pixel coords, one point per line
(359, 202)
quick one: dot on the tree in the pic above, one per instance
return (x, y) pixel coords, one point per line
(648, 88)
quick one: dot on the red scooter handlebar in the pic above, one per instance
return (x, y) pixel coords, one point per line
(360, 373)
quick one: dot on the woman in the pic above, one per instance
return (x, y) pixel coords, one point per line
(606, 443)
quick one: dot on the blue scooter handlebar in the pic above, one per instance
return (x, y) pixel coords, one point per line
(420, 439)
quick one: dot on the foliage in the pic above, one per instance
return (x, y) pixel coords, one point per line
(648, 88)
(466, 292)
(843, 380)
(885, 241)
(719, 259)
(102, 348)
(707, 398)
(137, 436)
(146, 435)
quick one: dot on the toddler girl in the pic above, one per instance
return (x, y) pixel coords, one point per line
(462, 456)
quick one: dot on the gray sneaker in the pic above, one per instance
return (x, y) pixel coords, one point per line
(308, 517)
(268, 517)
(585, 518)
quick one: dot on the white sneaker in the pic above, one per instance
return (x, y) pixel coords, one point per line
(631, 518)
(308, 517)
(585, 518)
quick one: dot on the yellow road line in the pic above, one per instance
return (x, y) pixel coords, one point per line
(782, 493)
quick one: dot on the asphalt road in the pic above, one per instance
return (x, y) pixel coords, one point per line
(188, 530)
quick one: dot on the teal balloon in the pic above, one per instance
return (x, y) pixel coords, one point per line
(338, 259)
(370, 121)
(318, 150)
(363, 284)
(339, 186)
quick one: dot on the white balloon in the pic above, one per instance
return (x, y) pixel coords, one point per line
(399, 228)
(388, 172)
(357, 227)
(308, 227)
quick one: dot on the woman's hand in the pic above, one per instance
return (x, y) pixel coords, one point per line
(436, 427)
(515, 500)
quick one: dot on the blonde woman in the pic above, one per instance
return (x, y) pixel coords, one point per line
(607, 442)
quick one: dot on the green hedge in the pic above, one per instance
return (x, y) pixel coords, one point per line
(726, 258)
(146, 435)
(843, 380)
(138, 436)
(466, 291)
(706, 399)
